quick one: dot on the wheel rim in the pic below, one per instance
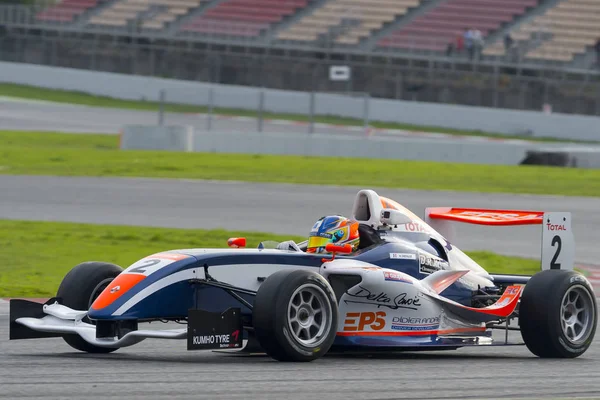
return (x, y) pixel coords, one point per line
(577, 314)
(309, 315)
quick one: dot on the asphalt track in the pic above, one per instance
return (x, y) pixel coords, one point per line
(35, 115)
(154, 369)
(48, 116)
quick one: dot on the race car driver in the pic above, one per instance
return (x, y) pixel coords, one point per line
(330, 229)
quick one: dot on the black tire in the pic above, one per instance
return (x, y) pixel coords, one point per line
(541, 314)
(78, 290)
(271, 315)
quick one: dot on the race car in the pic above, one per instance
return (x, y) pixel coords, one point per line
(406, 286)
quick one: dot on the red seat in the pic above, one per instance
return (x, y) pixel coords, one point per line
(260, 14)
(65, 10)
(439, 26)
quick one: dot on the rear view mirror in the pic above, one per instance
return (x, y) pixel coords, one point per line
(236, 242)
(394, 217)
(336, 248)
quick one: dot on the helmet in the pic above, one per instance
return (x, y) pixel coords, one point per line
(332, 229)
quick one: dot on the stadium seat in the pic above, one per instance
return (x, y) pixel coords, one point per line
(357, 18)
(243, 18)
(151, 14)
(440, 26)
(560, 33)
(66, 10)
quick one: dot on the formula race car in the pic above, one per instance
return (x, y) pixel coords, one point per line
(406, 287)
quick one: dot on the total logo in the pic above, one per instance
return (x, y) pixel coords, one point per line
(552, 227)
(414, 227)
(358, 321)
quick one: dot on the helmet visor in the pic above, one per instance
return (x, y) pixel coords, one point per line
(318, 241)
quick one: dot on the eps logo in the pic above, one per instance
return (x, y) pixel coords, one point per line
(358, 321)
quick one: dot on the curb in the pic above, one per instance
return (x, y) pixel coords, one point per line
(369, 131)
(592, 273)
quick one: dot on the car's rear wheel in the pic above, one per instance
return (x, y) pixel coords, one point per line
(558, 314)
(78, 290)
(295, 315)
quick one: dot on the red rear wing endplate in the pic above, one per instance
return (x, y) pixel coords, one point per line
(486, 216)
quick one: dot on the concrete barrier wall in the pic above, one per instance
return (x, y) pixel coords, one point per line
(173, 138)
(181, 139)
(242, 97)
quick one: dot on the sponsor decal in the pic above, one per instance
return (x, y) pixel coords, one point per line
(429, 264)
(498, 216)
(504, 302)
(510, 293)
(115, 289)
(382, 299)
(214, 330)
(403, 256)
(415, 323)
(393, 276)
(414, 227)
(577, 278)
(227, 340)
(553, 227)
(511, 290)
(321, 234)
(358, 321)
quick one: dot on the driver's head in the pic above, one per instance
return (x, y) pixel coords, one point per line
(332, 229)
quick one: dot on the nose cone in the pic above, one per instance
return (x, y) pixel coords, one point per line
(104, 313)
(104, 304)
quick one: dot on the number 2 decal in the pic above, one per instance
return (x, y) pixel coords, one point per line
(553, 264)
(147, 263)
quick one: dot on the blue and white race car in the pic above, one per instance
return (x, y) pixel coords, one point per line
(406, 286)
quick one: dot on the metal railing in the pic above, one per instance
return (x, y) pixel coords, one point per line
(203, 112)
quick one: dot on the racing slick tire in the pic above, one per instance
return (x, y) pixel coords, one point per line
(558, 314)
(295, 315)
(78, 290)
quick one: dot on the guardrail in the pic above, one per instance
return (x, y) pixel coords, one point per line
(188, 139)
(260, 101)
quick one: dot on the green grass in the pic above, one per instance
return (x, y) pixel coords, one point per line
(35, 153)
(72, 97)
(36, 255)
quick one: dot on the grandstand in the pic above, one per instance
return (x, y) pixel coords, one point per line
(559, 34)
(243, 17)
(66, 10)
(151, 14)
(395, 48)
(347, 21)
(439, 26)
(544, 30)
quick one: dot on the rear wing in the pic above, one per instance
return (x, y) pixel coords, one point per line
(558, 243)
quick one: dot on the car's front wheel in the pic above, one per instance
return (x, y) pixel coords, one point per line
(295, 315)
(558, 314)
(78, 290)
